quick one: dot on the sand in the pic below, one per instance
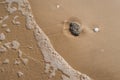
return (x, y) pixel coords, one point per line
(53, 62)
(95, 54)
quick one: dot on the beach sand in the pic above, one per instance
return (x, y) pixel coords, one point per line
(93, 53)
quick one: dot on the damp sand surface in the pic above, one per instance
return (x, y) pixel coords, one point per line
(12, 66)
(96, 54)
(29, 33)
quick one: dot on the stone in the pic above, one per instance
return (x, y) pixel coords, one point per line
(4, 18)
(74, 28)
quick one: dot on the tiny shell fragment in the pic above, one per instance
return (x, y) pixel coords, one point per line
(58, 6)
(96, 29)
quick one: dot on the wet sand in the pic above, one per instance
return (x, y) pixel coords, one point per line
(26, 52)
(96, 54)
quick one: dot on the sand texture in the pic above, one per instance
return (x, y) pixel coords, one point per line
(36, 43)
(52, 61)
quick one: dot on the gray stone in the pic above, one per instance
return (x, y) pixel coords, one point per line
(74, 28)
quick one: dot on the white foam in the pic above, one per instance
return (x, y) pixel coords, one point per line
(15, 20)
(2, 49)
(4, 25)
(4, 18)
(2, 36)
(8, 30)
(17, 62)
(6, 61)
(20, 74)
(25, 61)
(20, 53)
(7, 45)
(15, 44)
